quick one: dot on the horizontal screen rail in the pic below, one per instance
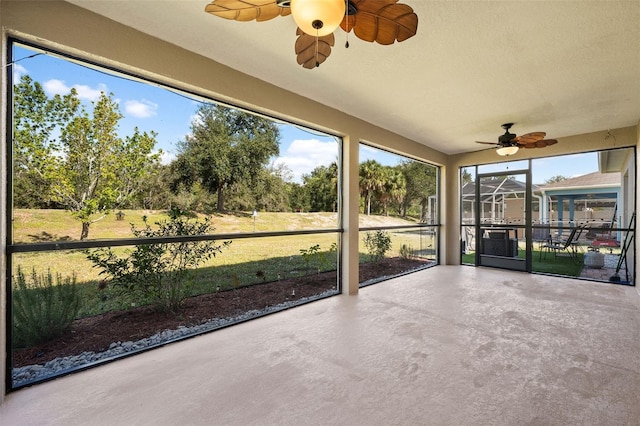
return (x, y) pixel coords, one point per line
(382, 228)
(71, 245)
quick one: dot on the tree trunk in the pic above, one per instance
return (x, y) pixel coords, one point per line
(404, 206)
(85, 230)
(220, 200)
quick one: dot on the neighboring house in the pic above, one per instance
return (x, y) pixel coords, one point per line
(582, 199)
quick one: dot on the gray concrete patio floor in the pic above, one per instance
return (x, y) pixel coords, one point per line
(450, 345)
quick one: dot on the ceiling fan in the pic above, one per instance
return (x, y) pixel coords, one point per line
(509, 143)
(382, 21)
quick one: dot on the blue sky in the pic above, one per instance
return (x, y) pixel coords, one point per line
(169, 114)
(544, 168)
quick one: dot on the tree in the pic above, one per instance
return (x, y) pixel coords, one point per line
(37, 119)
(270, 191)
(466, 176)
(421, 184)
(321, 187)
(267, 191)
(298, 197)
(89, 169)
(556, 178)
(371, 181)
(155, 193)
(225, 146)
(394, 187)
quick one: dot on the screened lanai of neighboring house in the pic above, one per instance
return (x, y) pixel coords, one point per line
(590, 200)
(494, 199)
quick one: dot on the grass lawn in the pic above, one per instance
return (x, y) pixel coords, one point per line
(559, 265)
(31, 225)
(244, 262)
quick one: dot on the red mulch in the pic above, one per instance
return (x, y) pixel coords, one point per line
(96, 333)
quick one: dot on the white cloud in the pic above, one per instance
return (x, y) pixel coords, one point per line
(86, 92)
(141, 109)
(195, 119)
(55, 87)
(302, 156)
(167, 157)
(18, 72)
(59, 87)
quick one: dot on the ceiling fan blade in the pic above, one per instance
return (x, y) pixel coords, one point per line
(249, 10)
(539, 144)
(530, 137)
(308, 54)
(488, 143)
(382, 21)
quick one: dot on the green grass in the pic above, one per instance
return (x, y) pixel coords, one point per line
(58, 225)
(237, 265)
(559, 265)
(33, 225)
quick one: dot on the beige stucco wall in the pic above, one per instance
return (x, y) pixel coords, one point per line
(637, 258)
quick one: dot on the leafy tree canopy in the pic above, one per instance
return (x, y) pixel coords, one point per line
(83, 163)
(556, 178)
(225, 146)
(421, 183)
(321, 187)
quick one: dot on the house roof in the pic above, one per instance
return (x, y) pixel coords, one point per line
(495, 187)
(590, 180)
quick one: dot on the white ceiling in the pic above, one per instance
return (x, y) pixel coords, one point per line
(564, 67)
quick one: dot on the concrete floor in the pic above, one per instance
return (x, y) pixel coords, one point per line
(446, 346)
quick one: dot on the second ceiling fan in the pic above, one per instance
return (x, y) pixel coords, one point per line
(380, 21)
(509, 143)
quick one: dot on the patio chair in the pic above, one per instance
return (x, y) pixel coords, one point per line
(566, 247)
(541, 235)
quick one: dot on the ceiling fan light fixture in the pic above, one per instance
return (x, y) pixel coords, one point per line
(318, 17)
(507, 150)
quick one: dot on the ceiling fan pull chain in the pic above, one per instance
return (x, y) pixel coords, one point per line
(317, 58)
(346, 23)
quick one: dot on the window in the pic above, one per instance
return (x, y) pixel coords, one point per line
(582, 213)
(142, 214)
(399, 221)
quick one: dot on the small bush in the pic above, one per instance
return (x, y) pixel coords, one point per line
(308, 255)
(378, 243)
(159, 273)
(42, 310)
(406, 252)
(321, 260)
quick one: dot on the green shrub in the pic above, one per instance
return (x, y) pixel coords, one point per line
(42, 310)
(161, 274)
(321, 260)
(308, 255)
(406, 252)
(378, 243)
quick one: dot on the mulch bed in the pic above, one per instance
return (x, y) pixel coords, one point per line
(96, 333)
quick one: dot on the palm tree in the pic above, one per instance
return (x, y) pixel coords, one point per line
(371, 180)
(394, 187)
